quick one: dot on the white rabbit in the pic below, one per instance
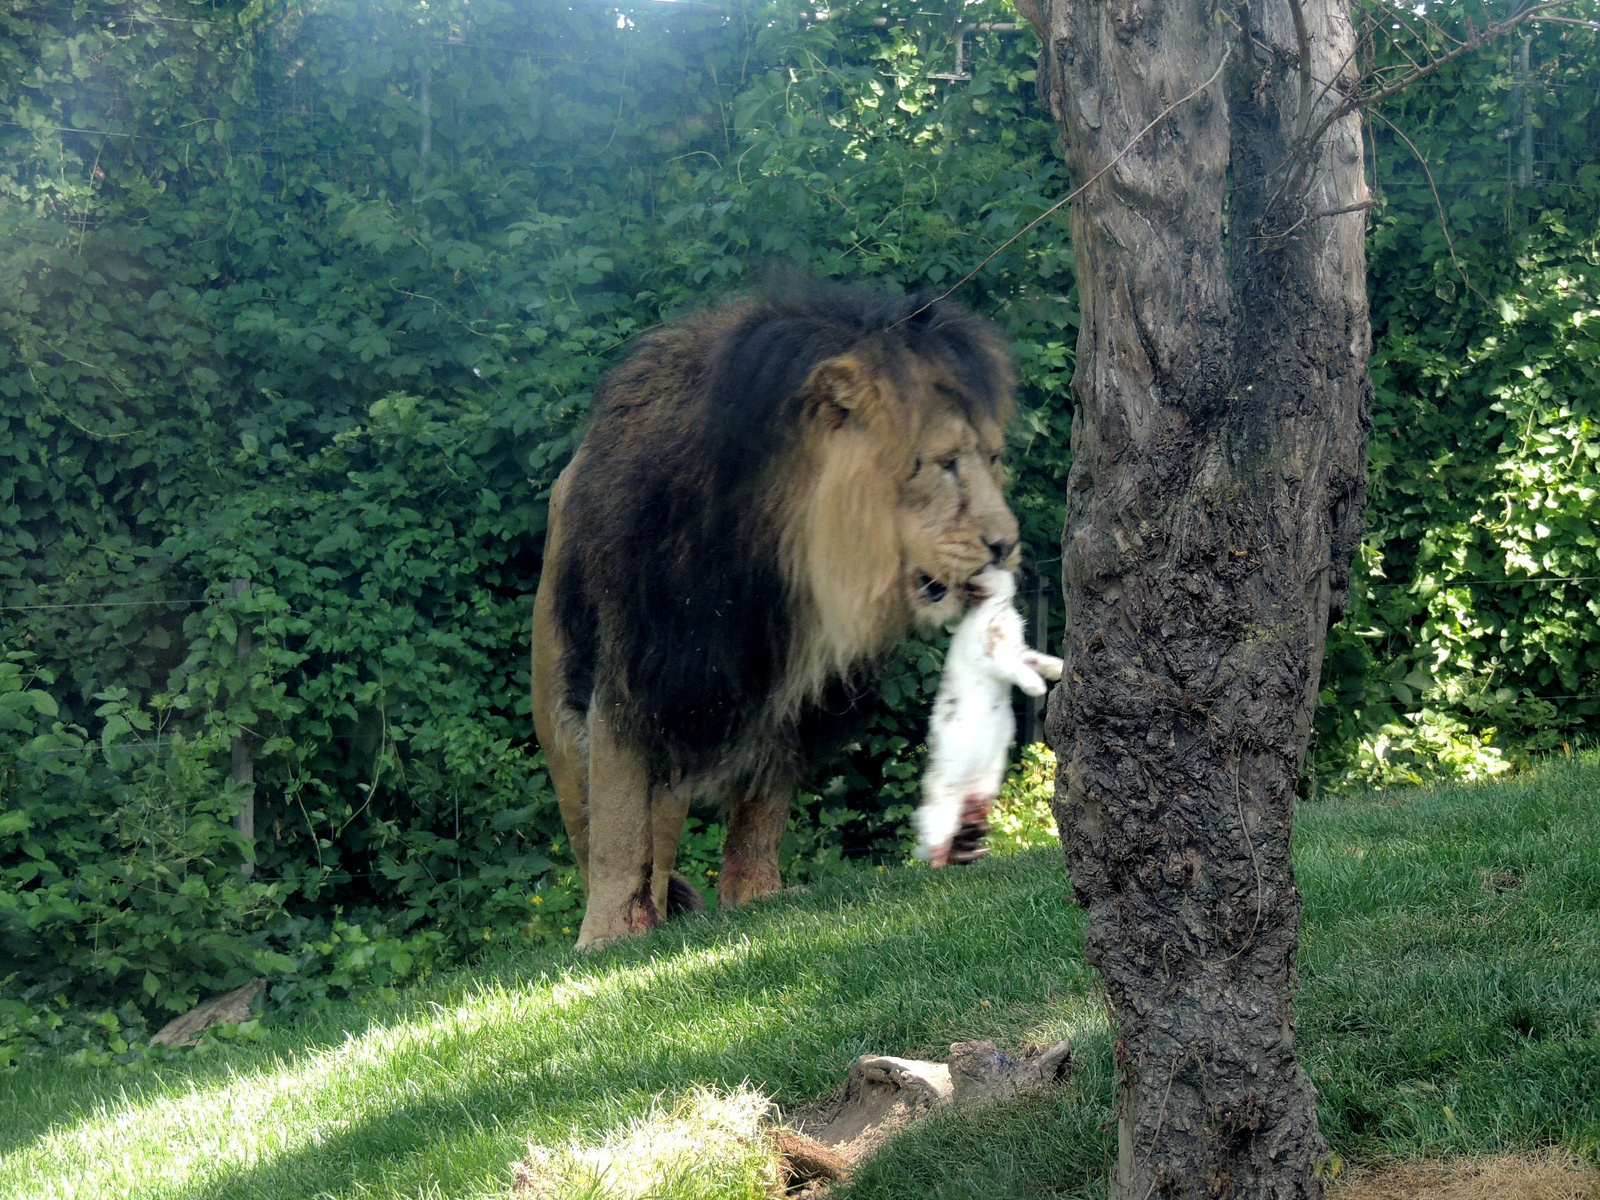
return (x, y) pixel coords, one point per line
(973, 724)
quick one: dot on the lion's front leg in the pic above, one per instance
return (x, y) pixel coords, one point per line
(756, 825)
(621, 895)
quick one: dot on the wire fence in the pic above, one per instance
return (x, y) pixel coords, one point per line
(282, 100)
(1435, 585)
(157, 745)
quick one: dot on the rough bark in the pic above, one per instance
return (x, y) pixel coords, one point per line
(1215, 500)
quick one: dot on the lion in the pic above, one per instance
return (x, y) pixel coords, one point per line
(768, 498)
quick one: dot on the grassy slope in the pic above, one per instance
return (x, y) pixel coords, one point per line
(1450, 1002)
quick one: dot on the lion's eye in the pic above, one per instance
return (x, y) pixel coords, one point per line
(951, 465)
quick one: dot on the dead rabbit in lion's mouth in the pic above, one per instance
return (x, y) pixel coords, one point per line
(973, 725)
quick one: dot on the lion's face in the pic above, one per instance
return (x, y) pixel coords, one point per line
(898, 504)
(952, 519)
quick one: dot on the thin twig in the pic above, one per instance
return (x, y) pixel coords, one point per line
(1261, 897)
(1358, 206)
(1440, 29)
(1477, 40)
(1351, 102)
(1396, 45)
(1302, 38)
(1076, 192)
(1304, 146)
(1486, 35)
(1444, 222)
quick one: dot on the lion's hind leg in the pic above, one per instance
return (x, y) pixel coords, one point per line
(672, 893)
(567, 759)
(757, 821)
(562, 730)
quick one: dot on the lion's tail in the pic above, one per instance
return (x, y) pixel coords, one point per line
(682, 897)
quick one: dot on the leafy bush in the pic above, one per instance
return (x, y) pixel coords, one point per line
(1474, 637)
(358, 397)
(1022, 817)
(120, 866)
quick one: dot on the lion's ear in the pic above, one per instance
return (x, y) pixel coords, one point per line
(838, 388)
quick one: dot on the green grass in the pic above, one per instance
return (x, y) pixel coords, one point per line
(1450, 1002)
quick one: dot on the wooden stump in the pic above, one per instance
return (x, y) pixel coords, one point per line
(229, 1008)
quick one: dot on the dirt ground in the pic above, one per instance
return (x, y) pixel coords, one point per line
(1548, 1175)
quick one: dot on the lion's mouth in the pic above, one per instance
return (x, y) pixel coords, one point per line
(930, 590)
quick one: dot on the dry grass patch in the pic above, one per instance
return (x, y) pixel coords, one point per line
(711, 1145)
(1547, 1175)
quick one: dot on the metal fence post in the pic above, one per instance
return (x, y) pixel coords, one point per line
(244, 770)
(1039, 622)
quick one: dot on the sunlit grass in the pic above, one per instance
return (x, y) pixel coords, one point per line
(1450, 1003)
(710, 1145)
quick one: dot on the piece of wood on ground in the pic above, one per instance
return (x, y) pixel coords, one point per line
(1552, 1174)
(882, 1095)
(803, 1155)
(979, 1071)
(229, 1008)
(803, 1160)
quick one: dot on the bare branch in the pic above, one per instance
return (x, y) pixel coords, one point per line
(1397, 47)
(1078, 191)
(1403, 20)
(1488, 34)
(1569, 21)
(1353, 102)
(1358, 206)
(1303, 48)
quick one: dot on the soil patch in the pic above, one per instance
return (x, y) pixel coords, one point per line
(1546, 1175)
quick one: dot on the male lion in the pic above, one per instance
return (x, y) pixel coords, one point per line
(767, 497)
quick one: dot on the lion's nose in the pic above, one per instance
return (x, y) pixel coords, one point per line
(1001, 548)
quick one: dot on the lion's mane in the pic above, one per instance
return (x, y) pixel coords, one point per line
(728, 579)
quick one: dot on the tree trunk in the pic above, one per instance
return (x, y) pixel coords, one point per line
(1215, 500)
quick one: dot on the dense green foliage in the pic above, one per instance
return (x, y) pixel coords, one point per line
(1485, 460)
(320, 310)
(313, 294)
(1450, 976)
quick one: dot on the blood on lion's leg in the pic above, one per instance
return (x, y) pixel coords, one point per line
(621, 856)
(756, 825)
